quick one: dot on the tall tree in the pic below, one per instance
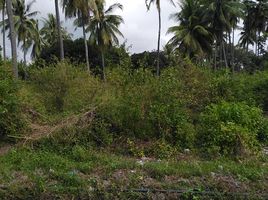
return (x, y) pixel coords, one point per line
(36, 43)
(25, 25)
(81, 10)
(248, 35)
(49, 31)
(3, 8)
(104, 28)
(12, 38)
(217, 14)
(60, 39)
(158, 6)
(235, 13)
(192, 36)
(260, 22)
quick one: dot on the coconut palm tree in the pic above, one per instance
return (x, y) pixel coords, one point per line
(36, 43)
(260, 22)
(158, 6)
(12, 37)
(25, 25)
(49, 31)
(3, 8)
(248, 34)
(235, 13)
(60, 39)
(217, 14)
(104, 28)
(81, 10)
(192, 35)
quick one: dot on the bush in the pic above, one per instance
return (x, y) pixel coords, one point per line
(263, 134)
(146, 107)
(11, 120)
(229, 129)
(64, 88)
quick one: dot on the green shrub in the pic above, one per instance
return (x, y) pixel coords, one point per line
(145, 107)
(263, 134)
(64, 88)
(53, 83)
(11, 120)
(259, 89)
(229, 129)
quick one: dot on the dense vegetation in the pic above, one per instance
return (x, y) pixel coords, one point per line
(86, 119)
(213, 114)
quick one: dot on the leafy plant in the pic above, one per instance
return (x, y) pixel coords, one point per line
(11, 120)
(229, 129)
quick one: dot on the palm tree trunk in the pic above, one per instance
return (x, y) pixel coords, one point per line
(86, 46)
(59, 30)
(4, 32)
(215, 56)
(233, 48)
(224, 55)
(220, 53)
(24, 53)
(158, 44)
(103, 65)
(259, 37)
(12, 38)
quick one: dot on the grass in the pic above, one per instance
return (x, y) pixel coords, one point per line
(45, 173)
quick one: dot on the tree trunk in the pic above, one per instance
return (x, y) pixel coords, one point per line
(12, 38)
(59, 30)
(215, 56)
(229, 54)
(233, 49)
(158, 44)
(220, 53)
(259, 39)
(4, 32)
(24, 53)
(86, 47)
(103, 65)
(224, 55)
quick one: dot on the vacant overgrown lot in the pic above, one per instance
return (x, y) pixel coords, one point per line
(192, 133)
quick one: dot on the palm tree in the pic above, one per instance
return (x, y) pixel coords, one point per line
(235, 14)
(60, 39)
(2, 7)
(248, 34)
(260, 22)
(49, 31)
(104, 28)
(158, 6)
(25, 26)
(80, 9)
(12, 37)
(218, 15)
(191, 36)
(36, 43)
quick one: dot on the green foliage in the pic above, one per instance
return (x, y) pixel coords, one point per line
(242, 87)
(134, 150)
(146, 107)
(263, 134)
(11, 120)
(54, 84)
(229, 129)
(162, 150)
(63, 88)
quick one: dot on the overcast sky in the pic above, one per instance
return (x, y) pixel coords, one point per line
(140, 27)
